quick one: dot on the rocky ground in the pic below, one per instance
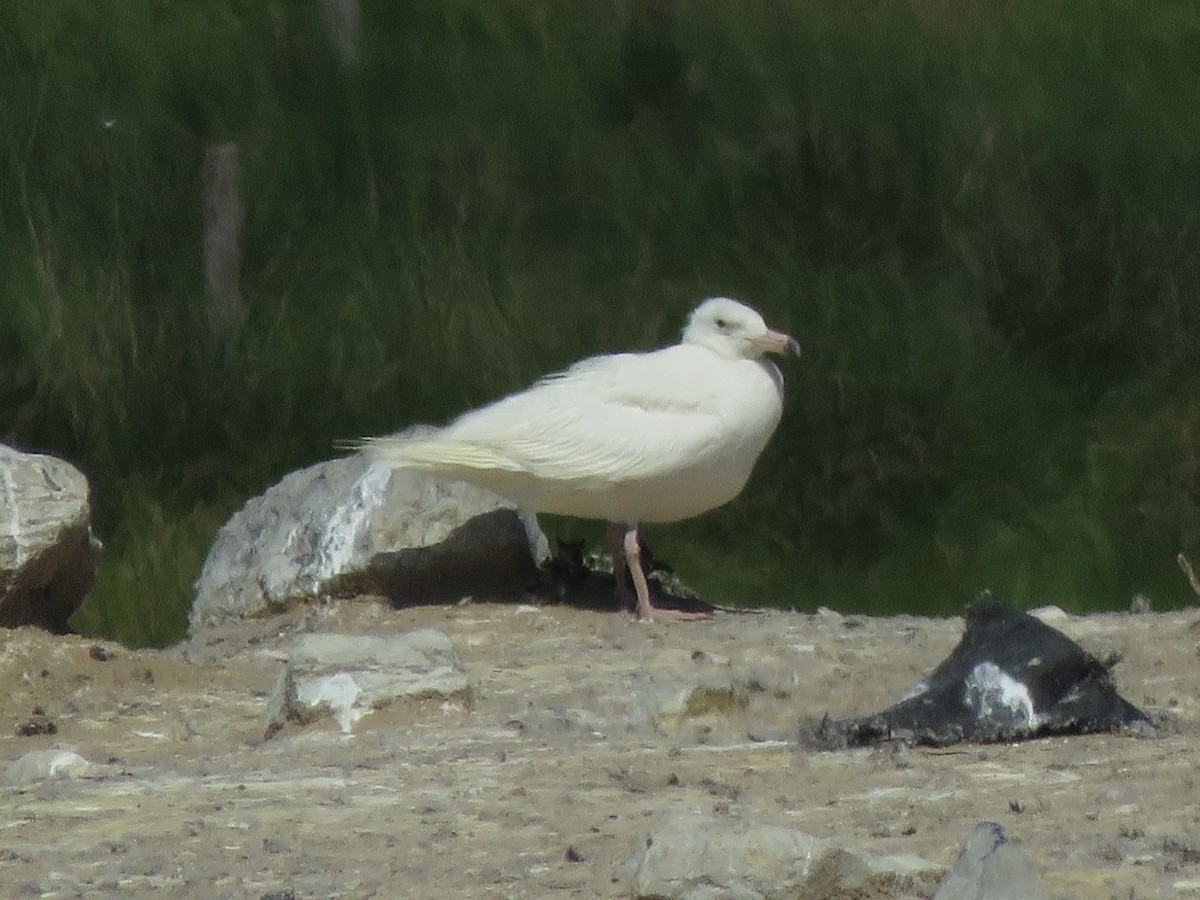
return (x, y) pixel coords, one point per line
(584, 734)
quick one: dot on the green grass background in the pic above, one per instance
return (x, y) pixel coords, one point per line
(981, 220)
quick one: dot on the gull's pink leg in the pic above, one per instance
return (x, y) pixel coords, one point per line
(645, 609)
(616, 546)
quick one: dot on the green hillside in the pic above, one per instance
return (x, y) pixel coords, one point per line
(982, 222)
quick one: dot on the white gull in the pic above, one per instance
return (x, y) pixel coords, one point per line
(628, 438)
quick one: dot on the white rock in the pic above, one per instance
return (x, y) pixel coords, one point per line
(348, 676)
(346, 527)
(48, 554)
(38, 765)
(339, 692)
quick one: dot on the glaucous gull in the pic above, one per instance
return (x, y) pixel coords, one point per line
(628, 438)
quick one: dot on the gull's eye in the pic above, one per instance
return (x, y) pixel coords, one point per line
(723, 324)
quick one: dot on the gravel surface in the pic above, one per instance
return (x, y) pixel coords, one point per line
(582, 733)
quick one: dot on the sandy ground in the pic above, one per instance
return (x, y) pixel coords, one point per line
(573, 748)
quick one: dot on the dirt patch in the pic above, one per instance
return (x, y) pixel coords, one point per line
(581, 732)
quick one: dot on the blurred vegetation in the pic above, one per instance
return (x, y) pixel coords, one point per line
(981, 220)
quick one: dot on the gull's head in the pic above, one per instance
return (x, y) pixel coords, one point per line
(734, 331)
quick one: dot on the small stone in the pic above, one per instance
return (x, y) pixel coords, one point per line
(35, 726)
(42, 764)
(99, 653)
(694, 855)
(991, 868)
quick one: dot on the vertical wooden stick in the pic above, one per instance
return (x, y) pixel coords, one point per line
(223, 215)
(344, 17)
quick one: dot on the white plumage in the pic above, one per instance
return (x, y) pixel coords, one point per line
(646, 437)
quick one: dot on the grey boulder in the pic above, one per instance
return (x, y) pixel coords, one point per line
(48, 554)
(346, 527)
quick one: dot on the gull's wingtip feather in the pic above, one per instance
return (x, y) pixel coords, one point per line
(384, 445)
(449, 458)
(352, 445)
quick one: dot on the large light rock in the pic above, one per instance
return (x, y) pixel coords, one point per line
(345, 526)
(349, 676)
(48, 554)
(698, 856)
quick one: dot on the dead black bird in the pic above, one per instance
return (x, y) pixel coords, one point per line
(1011, 677)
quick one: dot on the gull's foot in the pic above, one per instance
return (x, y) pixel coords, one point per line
(655, 614)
